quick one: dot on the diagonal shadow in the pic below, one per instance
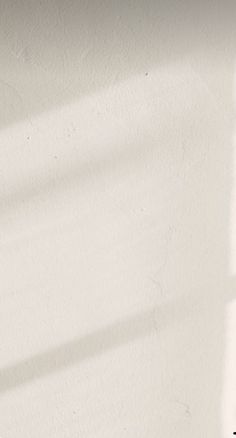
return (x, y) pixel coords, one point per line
(55, 52)
(73, 175)
(102, 340)
(77, 350)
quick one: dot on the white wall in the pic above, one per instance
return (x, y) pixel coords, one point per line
(116, 164)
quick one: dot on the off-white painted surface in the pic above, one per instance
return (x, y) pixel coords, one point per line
(116, 170)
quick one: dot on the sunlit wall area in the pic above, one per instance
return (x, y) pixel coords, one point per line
(229, 374)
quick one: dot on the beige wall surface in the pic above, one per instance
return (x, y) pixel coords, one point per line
(117, 212)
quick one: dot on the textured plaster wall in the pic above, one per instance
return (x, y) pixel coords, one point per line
(116, 164)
